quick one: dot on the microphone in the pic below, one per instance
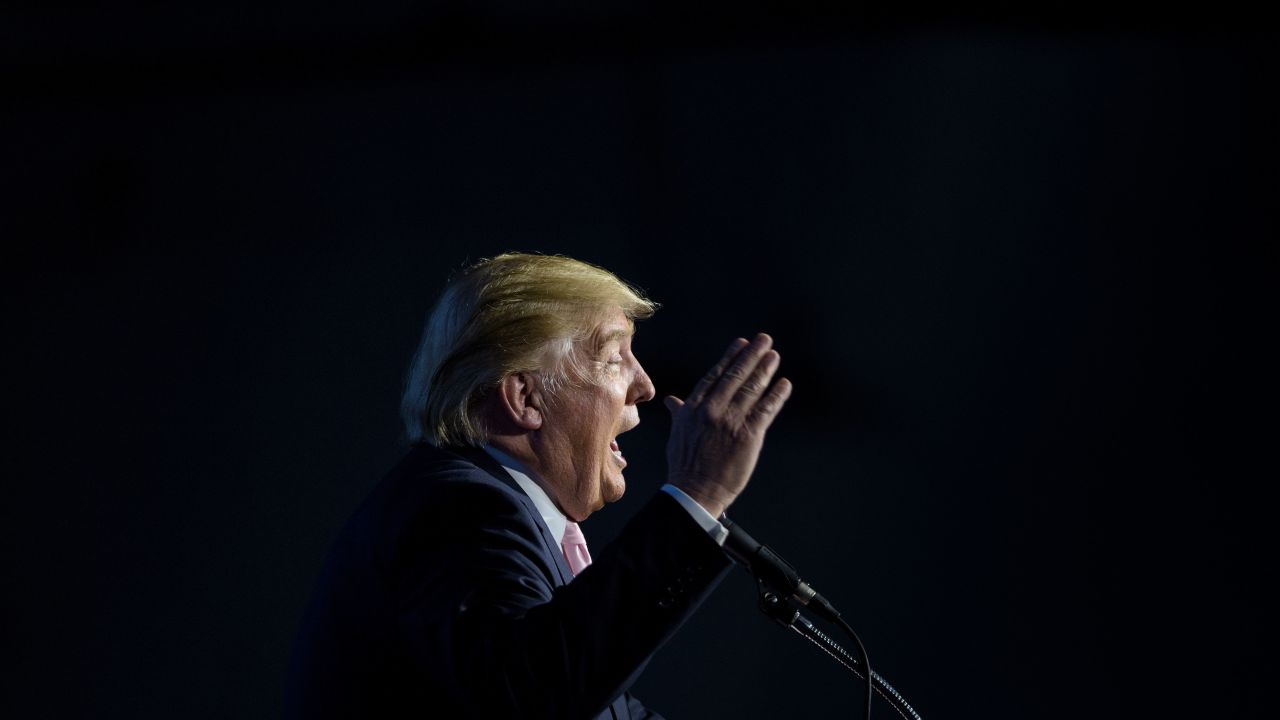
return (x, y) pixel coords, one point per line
(775, 574)
(769, 567)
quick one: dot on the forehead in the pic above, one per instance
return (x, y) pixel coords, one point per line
(616, 326)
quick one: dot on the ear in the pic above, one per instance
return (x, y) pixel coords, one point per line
(520, 400)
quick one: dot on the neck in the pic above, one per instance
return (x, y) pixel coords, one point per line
(521, 448)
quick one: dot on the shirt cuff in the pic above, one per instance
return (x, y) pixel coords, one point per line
(717, 531)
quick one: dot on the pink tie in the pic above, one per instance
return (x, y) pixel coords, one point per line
(574, 546)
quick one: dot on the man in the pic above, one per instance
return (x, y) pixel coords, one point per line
(462, 587)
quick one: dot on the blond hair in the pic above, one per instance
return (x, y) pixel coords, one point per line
(512, 313)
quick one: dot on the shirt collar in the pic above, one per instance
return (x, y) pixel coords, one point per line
(551, 514)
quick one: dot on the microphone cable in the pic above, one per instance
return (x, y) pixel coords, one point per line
(807, 630)
(866, 659)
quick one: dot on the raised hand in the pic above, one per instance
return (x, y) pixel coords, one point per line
(718, 430)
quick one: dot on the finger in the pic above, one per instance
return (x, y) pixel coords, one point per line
(714, 373)
(738, 371)
(762, 415)
(673, 403)
(756, 383)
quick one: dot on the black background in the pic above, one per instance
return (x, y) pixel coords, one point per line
(1019, 267)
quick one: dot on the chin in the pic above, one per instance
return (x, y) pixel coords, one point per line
(613, 489)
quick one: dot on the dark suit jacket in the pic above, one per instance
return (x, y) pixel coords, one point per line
(446, 596)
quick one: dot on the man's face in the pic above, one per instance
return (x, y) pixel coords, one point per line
(582, 463)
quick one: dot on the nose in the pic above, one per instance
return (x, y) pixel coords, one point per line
(642, 389)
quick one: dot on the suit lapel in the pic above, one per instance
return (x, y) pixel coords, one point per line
(484, 461)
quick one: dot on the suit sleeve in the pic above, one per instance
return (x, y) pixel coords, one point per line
(639, 711)
(475, 606)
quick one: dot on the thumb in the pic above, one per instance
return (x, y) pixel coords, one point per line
(673, 403)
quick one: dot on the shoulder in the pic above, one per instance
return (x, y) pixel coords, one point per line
(452, 483)
(442, 516)
(437, 493)
(431, 469)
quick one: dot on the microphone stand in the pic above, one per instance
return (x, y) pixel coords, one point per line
(781, 593)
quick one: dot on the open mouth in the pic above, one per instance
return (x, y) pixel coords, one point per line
(617, 452)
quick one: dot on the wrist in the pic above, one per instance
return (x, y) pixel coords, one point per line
(711, 502)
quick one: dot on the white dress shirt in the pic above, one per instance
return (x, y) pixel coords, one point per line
(556, 520)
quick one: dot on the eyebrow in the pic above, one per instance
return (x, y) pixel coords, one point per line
(618, 334)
